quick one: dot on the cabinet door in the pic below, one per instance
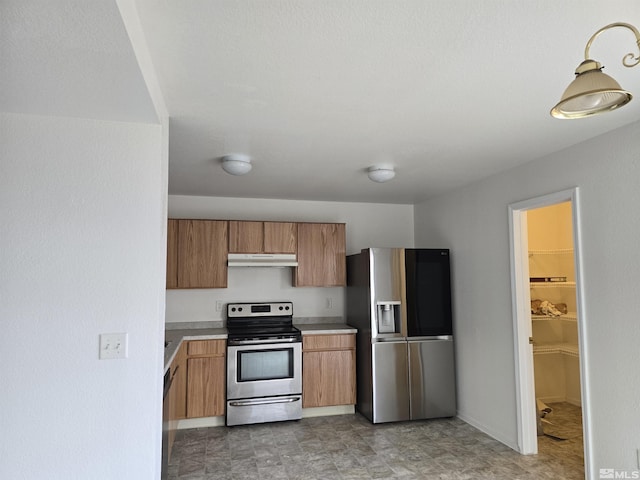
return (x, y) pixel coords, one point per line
(179, 371)
(280, 237)
(328, 378)
(202, 253)
(172, 253)
(321, 255)
(205, 386)
(245, 237)
(329, 370)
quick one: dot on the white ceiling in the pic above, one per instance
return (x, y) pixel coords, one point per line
(316, 91)
(69, 58)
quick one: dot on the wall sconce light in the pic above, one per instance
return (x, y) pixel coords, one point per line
(236, 164)
(592, 91)
(381, 173)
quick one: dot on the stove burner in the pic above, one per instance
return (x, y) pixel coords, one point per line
(261, 321)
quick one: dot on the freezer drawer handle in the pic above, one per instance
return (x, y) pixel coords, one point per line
(248, 403)
(431, 338)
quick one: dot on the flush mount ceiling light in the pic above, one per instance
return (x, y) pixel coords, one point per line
(381, 173)
(592, 91)
(236, 164)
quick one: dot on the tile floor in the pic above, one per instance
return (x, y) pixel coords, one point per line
(350, 447)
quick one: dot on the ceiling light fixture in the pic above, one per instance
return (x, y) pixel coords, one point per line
(592, 91)
(236, 164)
(381, 173)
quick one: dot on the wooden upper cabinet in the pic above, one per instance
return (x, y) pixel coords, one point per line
(245, 237)
(197, 251)
(321, 255)
(262, 237)
(280, 237)
(172, 254)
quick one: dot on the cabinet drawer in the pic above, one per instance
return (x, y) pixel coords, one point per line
(206, 347)
(329, 342)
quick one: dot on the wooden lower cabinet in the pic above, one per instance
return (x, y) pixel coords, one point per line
(177, 397)
(328, 370)
(206, 378)
(179, 385)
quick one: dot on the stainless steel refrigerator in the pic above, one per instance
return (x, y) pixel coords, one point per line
(400, 301)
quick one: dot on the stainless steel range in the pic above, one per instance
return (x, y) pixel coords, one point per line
(264, 363)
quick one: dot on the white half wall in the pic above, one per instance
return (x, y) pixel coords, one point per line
(367, 225)
(82, 208)
(473, 222)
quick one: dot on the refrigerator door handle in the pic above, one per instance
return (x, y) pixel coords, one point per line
(389, 340)
(433, 337)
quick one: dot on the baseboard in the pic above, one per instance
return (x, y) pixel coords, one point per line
(489, 431)
(551, 399)
(205, 422)
(574, 401)
(328, 411)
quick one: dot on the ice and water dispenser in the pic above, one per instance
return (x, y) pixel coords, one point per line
(388, 316)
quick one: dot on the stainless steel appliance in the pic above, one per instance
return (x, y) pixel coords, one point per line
(166, 412)
(400, 301)
(264, 363)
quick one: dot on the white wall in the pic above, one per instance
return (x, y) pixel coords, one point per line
(473, 222)
(82, 209)
(367, 225)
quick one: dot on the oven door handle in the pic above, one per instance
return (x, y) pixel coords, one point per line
(248, 403)
(239, 343)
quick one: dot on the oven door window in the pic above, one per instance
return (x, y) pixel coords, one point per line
(256, 365)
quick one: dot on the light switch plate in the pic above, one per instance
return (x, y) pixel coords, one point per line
(113, 345)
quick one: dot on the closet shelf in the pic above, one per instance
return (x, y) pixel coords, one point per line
(562, 251)
(567, 317)
(568, 349)
(552, 284)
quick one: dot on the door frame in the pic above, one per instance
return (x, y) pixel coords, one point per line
(523, 350)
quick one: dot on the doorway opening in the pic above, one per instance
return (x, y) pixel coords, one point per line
(549, 332)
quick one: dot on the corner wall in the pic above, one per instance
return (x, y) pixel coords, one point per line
(82, 208)
(473, 222)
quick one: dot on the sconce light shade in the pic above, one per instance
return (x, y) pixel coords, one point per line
(590, 93)
(236, 164)
(381, 173)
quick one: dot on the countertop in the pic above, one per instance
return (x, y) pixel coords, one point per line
(325, 328)
(176, 336)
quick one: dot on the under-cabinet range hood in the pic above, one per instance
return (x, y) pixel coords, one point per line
(262, 260)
